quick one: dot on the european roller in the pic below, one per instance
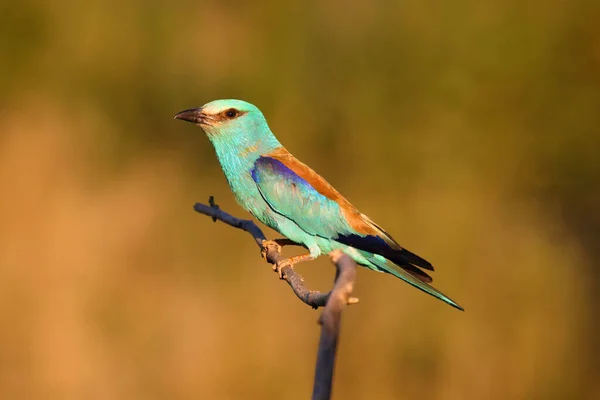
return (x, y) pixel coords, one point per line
(289, 197)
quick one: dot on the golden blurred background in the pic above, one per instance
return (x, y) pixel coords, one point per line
(468, 129)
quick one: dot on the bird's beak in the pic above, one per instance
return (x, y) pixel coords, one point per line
(193, 115)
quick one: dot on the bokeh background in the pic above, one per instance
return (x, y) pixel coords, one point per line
(468, 129)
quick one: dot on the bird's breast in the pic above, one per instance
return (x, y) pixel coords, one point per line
(238, 173)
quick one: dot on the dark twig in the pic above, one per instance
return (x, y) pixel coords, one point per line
(330, 324)
(334, 301)
(271, 252)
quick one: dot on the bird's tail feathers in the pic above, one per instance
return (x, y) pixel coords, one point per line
(384, 266)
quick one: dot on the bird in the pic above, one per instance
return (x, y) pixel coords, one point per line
(289, 197)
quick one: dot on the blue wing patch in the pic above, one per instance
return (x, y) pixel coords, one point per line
(293, 197)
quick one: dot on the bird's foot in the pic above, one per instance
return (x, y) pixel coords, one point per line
(279, 265)
(271, 250)
(269, 247)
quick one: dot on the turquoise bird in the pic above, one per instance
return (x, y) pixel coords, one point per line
(288, 196)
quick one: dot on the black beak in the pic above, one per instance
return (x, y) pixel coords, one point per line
(193, 115)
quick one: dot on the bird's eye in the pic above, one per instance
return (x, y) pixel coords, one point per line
(231, 113)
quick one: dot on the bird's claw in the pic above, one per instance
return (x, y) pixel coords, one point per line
(267, 246)
(279, 265)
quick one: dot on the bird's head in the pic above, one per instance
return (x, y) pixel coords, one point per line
(230, 118)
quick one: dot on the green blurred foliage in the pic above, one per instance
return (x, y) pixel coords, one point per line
(467, 129)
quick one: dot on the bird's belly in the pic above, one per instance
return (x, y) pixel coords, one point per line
(256, 205)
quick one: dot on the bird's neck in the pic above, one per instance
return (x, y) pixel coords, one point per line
(238, 153)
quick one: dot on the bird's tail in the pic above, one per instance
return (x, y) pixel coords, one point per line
(385, 266)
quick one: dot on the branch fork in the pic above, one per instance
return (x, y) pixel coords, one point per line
(334, 301)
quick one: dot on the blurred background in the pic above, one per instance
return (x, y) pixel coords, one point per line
(468, 129)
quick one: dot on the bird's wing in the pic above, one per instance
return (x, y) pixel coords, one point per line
(295, 191)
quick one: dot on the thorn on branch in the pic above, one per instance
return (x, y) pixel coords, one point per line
(211, 202)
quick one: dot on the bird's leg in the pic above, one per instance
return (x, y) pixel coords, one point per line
(268, 246)
(290, 262)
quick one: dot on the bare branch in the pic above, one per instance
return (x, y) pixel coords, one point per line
(334, 301)
(330, 324)
(271, 252)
